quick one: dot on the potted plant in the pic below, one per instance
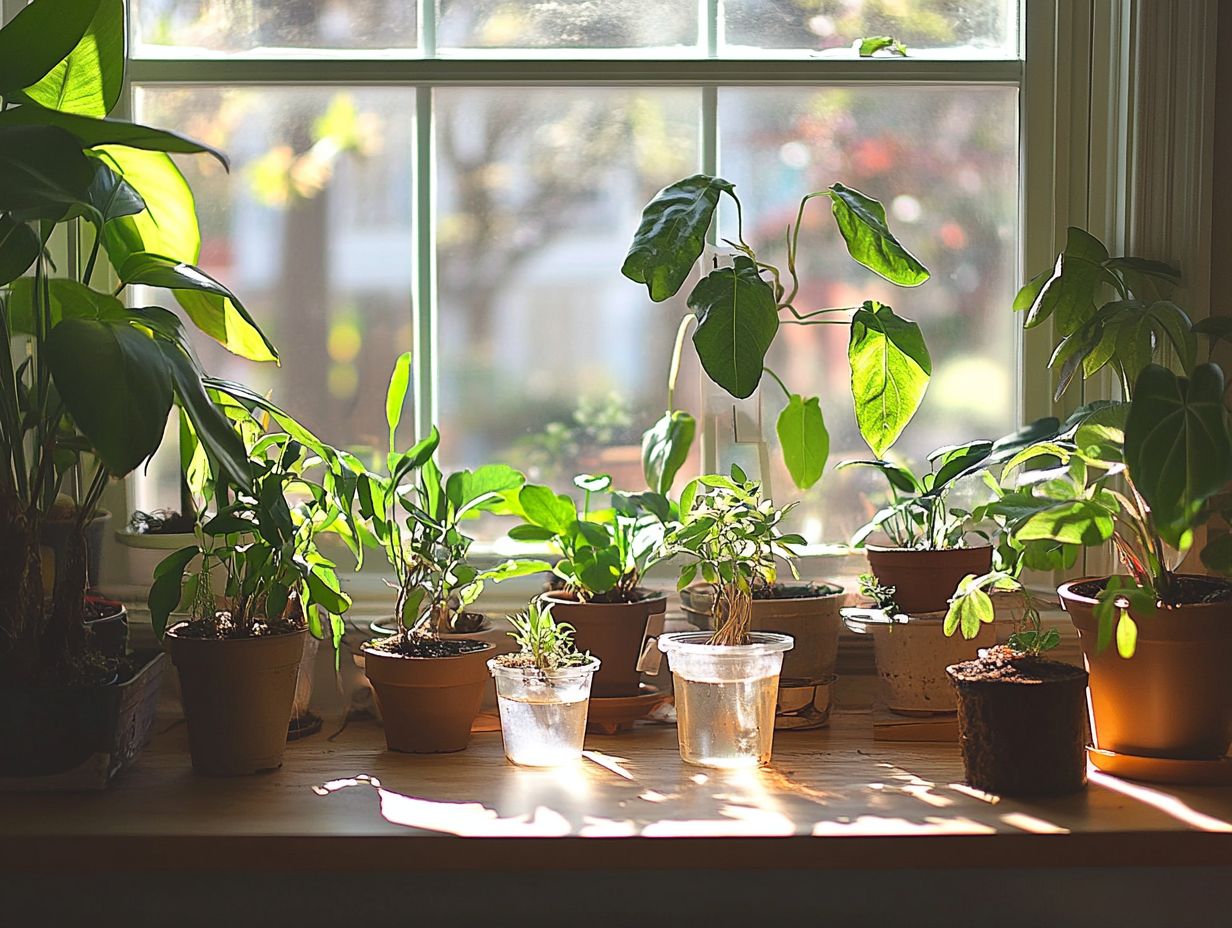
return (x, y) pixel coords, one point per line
(603, 554)
(738, 308)
(99, 381)
(1146, 475)
(428, 682)
(239, 649)
(726, 681)
(1021, 717)
(543, 690)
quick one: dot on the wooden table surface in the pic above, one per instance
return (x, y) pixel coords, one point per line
(833, 798)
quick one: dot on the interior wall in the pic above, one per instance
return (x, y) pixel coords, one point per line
(1221, 187)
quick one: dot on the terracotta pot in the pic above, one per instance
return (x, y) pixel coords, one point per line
(1173, 698)
(616, 633)
(1023, 734)
(911, 660)
(237, 696)
(924, 581)
(813, 622)
(428, 703)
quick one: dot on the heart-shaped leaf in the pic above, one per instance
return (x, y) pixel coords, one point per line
(168, 226)
(544, 507)
(39, 37)
(890, 370)
(90, 78)
(803, 437)
(737, 319)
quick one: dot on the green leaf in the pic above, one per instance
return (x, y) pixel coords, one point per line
(116, 386)
(1147, 280)
(805, 442)
(112, 196)
(1142, 330)
(873, 44)
(969, 611)
(672, 234)
(900, 478)
(19, 248)
(93, 132)
(1070, 292)
(957, 461)
(737, 319)
(1078, 522)
(165, 591)
(1177, 447)
(1216, 328)
(168, 225)
(665, 448)
(1126, 635)
(468, 489)
(862, 223)
(89, 79)
(543, 507)
(395, 396)
(39, 37)
(210, 305)
(531, 533)
(43, 172)
(1030, 291)
(213, 429)
(516, 568)
(68, 300)
(322, 594)
(890, 370)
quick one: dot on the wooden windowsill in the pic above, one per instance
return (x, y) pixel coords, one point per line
(832, 799)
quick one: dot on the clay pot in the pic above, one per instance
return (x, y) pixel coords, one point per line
(428, 704)
(1023, 734)
(1173, 698)
(924, 581)
(616, 633)
(237, 696)
(912, 658)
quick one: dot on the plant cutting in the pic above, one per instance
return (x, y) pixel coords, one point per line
(738, 308)
(726, 681)
(93, 394)
(429, 683)
(1145, 475)
(543, 690)
(238, 650)
(603, 553)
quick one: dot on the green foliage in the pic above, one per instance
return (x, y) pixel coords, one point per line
(665, 448)
(862, 223)
(868, 47)
(890, 369)
(737, 320)
(548, 643)
(804, 439)
(1112, 611)
(881, 595)
(90, 78)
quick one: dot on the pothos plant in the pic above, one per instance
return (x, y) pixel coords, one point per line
(99, 379)
(729, 538)
(739, 307)
(1144, 473)
(603, 551)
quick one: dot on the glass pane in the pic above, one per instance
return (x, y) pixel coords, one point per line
(977, 25)
(944, 161)
(549, 359)
(237, 26)
(566, 23)
(312, 230)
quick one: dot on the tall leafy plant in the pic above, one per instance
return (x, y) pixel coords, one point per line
(99, 379)
(739, 307)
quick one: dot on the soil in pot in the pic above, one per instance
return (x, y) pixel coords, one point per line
(429, 690)
(924, 581)
(614, 631)
(1022, 723)
(237, 691)
(1173, 698)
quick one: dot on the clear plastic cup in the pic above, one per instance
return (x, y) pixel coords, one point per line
(725, 696)
(543, 715)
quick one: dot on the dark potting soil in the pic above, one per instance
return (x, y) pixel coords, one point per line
(795, 591)
(222, 628)
(1003, 664)
(1190, 590)
(422, 646)
(160, 522)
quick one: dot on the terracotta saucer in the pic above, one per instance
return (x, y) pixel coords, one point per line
(615, 714)
(1163, 769)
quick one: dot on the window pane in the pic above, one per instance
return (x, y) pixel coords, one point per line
(312, 230)
(550, 359)
(944, 162)
(979, 25)
(566, 23)
(236, 26)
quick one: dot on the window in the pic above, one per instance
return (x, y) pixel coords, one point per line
(463, 177)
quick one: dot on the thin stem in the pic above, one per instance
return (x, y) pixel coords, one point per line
(674, 371)
(779, 380)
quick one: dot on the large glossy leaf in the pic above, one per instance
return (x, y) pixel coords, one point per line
(468, 489)
(1177, 447)
(19, 248)
(215, 432)
(665, 448)
(39, 37)
(68, 300)
(899, 477)
(890, 369)
(803, 437)
(957, 461)
(43, 172)
(737, 319)
(166, 590)
(543, 507)
(93, 132)
(1078, 522)
(89, 80)
(672, 234)
(112, 196)
(116, 386)
(1071, 290)
(862, 223)
(1145, 329)
(1147, 280)
(210, 305)
(168, 225)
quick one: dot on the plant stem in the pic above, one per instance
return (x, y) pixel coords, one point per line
(779, 381)
(674, 370)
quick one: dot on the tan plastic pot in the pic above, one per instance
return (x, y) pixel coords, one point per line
(616, 633)
(1173, 698)
(911, 660)
(237, 696)
(428, 704)
(924, 581)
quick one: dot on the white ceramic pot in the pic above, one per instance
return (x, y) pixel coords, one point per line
(911, 659)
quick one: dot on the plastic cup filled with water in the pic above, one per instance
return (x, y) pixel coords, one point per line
(725, 696)
(543, 713)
